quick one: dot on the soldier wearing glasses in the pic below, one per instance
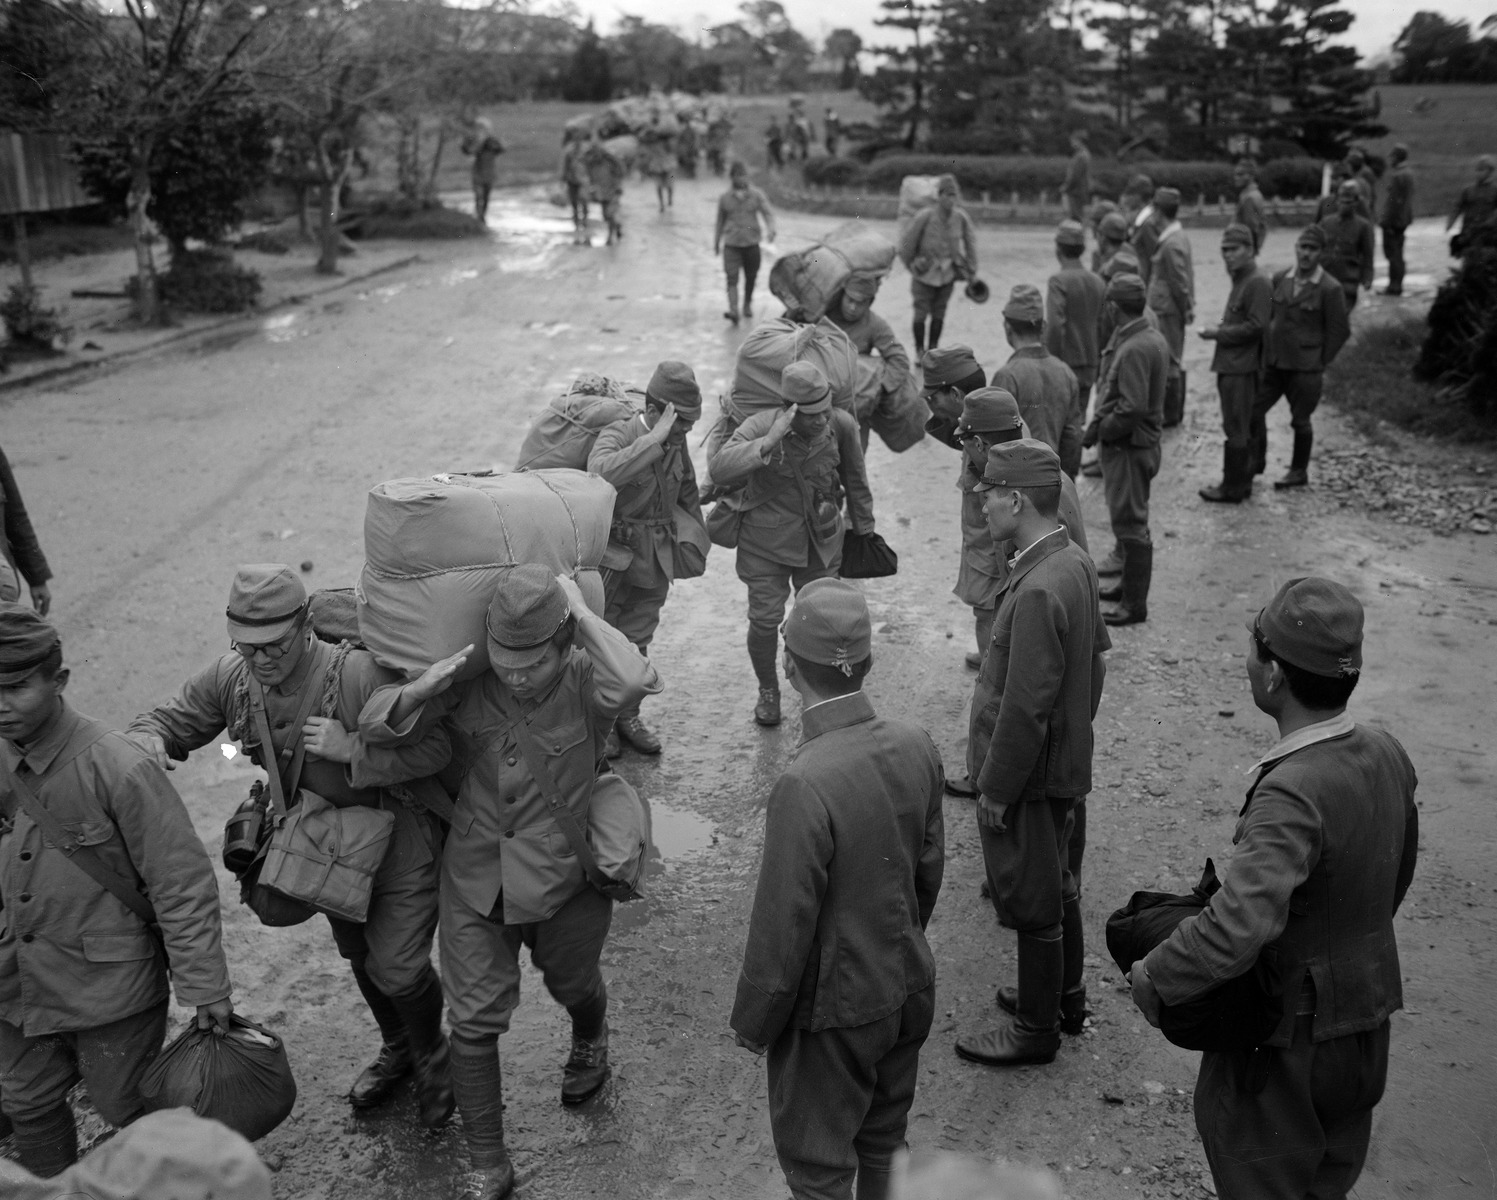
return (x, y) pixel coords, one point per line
(273, 646)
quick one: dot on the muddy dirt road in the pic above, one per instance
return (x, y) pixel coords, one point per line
(149, 484)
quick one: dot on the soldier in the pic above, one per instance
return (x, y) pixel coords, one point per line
(1397, 216)
(21, 554)
(797, 467)
(1045, 387)
(949, 373)
(1350, 248)
(1361, 171)
(1326, 848)
(1306, 329)
(646, 459)
(1238, 362)
(869, 333)
(485, 148)
(1127, 426)
(1172, 296)
(1077, 188)
(937, 248)
(1148, 223)
(1030, 750)
(1250, 209)
(739, 211)
(854, 848)
(1073, 304)
(1476, 206)
(509, 876)
(1112, 235)
(309, 695)
(774, 143)
(84, 815)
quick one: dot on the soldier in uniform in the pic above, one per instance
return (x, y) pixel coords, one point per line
(949, 373)
(1476, 206)
(509, 876)
(1238, 362)
(1148, 224)
(1397, 215)
(1112, 235)
(485, 149)
(1030, 750)
(646, 459)
(1127, 426)
(1360, 170)
(1307, 328)
(797, 467)
(1172, 296)
(1045, 385)
(854, 849)
(937, 248)
(83, 975)
(1350, 252)
(870, 334)
(21, 556)
(1073, 304)
(739, 212)
(1077, 188)
(1250, 208)
(1326, 848)
(312, 694)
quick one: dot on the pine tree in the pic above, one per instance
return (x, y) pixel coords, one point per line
(899, 85)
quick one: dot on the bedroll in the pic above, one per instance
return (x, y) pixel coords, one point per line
(774, 345)
(563, 433)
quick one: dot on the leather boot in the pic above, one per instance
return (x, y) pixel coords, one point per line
(1073, 1010)
(638, 734)
(1072, 960)
(731, 312)
(1298, 473)
(767, 707)
(1138, 572)
(1229, 490)
(479, 1087)
(48, 1146)
(1174, 399)
(918, 328)
(586, 1069)
(421, 1011)
(874, 1183)
(936, 325)
(378, 1081)
(1033, 1035)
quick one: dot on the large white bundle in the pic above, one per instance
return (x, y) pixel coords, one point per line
(867, 251)
(434, 548)
(916, 192)
(773, 346)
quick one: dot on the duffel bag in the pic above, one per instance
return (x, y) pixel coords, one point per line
(774, 345)
(691, 546)
(327, 857)
(563, 433)
(899, 416)
(242, 1079)
(806, 281)
(867, 251)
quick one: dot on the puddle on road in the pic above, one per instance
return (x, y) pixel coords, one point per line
(280, 327)
(677, 832)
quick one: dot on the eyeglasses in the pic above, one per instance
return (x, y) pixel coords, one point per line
(275, 651)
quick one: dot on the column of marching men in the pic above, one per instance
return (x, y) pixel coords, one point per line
(837, 988)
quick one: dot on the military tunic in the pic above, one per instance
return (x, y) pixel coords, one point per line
(1073, 308)
(1238, 357)
(1252, 213)
(1129, 422)
(1350, 253)
(1172, 289)
(1051, 400)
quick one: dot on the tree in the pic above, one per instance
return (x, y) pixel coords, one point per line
(782, 47)
(898, 86)
(649, 56)
(589, 76)
(845, 46)
(1429, 47)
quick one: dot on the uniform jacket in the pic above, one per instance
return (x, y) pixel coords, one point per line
(485, 151)
(738, 214)
(1239, 337)
(1073, 304)
(1049, 400)
(21, 552)
(216, 700)
(72, 956)
(1145, 240)
(1308, 325)
(1172, 276)
(938, 250)
(1326, 846)
(1041, 680)
(504, 841)
(775, 510)
(854, 849)
(1349, 249)
(1398, 200)
(652, 482)
(1252, 213)
(1130, 386)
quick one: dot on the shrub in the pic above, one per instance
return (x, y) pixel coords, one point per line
(28, 323)
(1461, 349)
(205, 281)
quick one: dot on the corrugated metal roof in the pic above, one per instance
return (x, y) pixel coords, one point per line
(36, 174)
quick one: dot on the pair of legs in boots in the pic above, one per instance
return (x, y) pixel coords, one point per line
(1302, 389)
(930, 304)
(769, 587)
(635, 612)
(481, 963)
(1034, 893)
(1239, 396)
(745, 259)
(1127, 474)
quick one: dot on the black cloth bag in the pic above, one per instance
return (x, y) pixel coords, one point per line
(867, 556)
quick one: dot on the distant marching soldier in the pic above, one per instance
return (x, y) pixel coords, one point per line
(736, 235)
(274, 651)
(1077, 188)
(646, 459)
(797, 467)
(485, 148)
(1073, 308)
(1306, 330)
(1397, 215)
(938, 248)
(1350, 247)
(1238, 362)
(1361, 171)
(1250, 208)
(83, 963)
(1172, 296)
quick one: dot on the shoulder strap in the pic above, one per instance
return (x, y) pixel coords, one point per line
(297, 749)
(85, 858)
(555, 802)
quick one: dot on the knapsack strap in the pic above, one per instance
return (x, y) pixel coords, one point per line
(279, 787)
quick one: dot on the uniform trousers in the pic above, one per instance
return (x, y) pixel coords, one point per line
(393, 943)
(1350, 291)
(1172, 326)
(1238, 393)
(930, 300)
(481, 959)
(839, 1099)
(747, 259)
(1393, 251)
(36, 1073)
(1305, 1135)
(1028, 864)
(770, 582)
(633, 610)
(1301, 388)
(1127, 473)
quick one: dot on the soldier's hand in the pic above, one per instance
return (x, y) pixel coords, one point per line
(438, 677)
(1145, 996)
(576, 601)
(1208, 333)
(41, 599)
(154, 745)
(752, 1047)
(216, 1016)
(664, 424)
(991, 814)
(1089, 438)
(328, 739)
(780, 428)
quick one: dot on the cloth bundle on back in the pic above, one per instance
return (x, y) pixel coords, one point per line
(808, 281)
(563, 433)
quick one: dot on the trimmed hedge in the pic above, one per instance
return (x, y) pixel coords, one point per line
(1002, 175)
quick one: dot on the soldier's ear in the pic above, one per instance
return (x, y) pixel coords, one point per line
(60, 680)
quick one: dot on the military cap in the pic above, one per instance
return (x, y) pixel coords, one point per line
(1071, 234)
(1123, 262)
(1166, 195)
(948, 365)
(527, 611)
(947, 183)
(1113, 227)
(26, 641)
(1312, 235)
(1025, 463)
(989, 410)
(1025, 304)
(265, 602)
(1315, 624)
(829, 624)
(1237, 235)
(862, 285)
(1125, 287)
(676, 383)
(1140, 185)
(803, 385)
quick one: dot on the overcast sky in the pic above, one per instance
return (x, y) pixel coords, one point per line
(1378, 21)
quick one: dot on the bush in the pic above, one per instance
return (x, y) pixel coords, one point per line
(204, 281)
(1460, 351)
(28, 323)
